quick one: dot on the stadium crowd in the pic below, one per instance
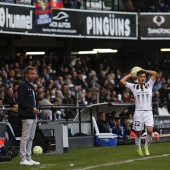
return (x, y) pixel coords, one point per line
(116, 5)
(60, 81)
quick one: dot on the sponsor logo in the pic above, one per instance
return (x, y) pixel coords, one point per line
(158, 32)
(61, 21)
(18, 21)
(158, 20)
(108, 26)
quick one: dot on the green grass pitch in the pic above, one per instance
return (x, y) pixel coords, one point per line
(100, 158)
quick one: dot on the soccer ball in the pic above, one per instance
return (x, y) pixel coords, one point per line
(37, 150)
(134, 71)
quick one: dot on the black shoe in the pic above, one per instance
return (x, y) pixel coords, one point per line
(5, 158)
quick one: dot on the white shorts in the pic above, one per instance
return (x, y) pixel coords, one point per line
(142, 118)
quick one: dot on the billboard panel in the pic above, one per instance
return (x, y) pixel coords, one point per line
(154, 26)
(16, 18)
(91, 24)
(20, 19)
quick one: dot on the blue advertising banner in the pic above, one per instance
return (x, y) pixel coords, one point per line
(43, 11)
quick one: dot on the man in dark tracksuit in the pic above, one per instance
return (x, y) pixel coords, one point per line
(27, 111)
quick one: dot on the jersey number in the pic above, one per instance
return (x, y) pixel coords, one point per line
(137, 123)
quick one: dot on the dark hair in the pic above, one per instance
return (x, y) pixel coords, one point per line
(117, 118)
(13, 103)
(100, 113)
(140, 72)
(125, 118)
(27, 69)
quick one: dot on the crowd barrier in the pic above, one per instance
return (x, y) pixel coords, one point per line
(82, 123)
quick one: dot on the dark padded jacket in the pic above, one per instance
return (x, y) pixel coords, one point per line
(26, 100)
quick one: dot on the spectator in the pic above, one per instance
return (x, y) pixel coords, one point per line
(93, 89)
(80, 80)
(102, 123)
(47, 112)
(118, 129)
(130, 117)
(59, 113)
(125, 124)
(158, 84)
(128, 6)
(88, 97)
(94, 80)
(73, 93)
(82, 99)
(67, 100)
(156, 102)
(112, 123)
(9, 96)
(102, 78)
(64, 89)
(164, 5)
(127, 95)
(2, 89)
(164, 96)
(74, 77)
(1, 111)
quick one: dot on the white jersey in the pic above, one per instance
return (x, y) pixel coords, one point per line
(142, 94)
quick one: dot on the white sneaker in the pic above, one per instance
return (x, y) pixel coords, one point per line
(34, 162)
(26, 163)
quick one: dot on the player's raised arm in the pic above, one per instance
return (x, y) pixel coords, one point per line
(152, 73)
(123, 81)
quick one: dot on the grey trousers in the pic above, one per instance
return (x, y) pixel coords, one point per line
(28, 133)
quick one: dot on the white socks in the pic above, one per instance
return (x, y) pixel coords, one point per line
(148, 140)
(138, 142)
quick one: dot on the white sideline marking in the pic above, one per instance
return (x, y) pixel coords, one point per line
(41, 166)
(123, 162)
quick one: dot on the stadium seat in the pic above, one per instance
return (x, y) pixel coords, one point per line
(163, 111)
(104, 139)
(12, 136)
(160, 112)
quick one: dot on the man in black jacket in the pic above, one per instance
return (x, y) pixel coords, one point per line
(27, 111)
(102, 123)
(16, 123)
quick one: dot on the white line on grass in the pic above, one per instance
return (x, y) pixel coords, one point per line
(41, 166)
(123, 162)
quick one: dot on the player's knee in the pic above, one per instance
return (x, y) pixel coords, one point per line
(138, 133)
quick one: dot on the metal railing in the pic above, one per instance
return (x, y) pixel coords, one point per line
(113, 5)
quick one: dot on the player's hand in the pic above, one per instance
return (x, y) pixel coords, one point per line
(130, 75)
(36, 111)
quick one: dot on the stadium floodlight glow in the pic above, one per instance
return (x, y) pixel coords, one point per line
(165, 49)
(35, 53)
(84, 52)
(87, 52)
(105, 50)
